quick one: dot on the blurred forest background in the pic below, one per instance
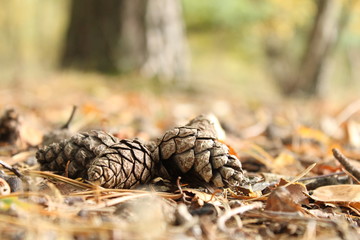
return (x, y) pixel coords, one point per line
(250, 48)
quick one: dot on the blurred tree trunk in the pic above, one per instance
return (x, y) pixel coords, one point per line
(127, 35)
(92, 35)
(322, 40)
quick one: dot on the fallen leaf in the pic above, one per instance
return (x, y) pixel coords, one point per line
(337, 193)
(259, 154)
(286, 164)
(280, 200)
(298, 191)
(346, 195)
(201, 195)
(314, 134)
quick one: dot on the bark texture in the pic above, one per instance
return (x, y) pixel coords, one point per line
(127, 35)
(321, 42)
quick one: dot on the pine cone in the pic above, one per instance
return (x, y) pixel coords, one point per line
(56, 136)
(195, 154)
(75, 154)
(122, 165)
(210, 123)
(9, 127)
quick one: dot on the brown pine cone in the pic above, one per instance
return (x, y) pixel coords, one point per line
(122, 165)
(9, 127)
(195, 154)
(56, 136)
(74, 155)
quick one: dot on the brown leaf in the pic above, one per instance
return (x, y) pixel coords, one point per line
(286, 164)
(287, 198)
(343, 195)
(297, 190)
(337, 193)
(280, 200)
(314, 134)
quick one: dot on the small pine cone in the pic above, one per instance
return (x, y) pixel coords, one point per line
(198, 156)
(9, 127)
(122, 165)
(74, 155)
(56, 136)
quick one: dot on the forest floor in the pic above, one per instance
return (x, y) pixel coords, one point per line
(299, 190)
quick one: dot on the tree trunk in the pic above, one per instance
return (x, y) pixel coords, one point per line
(165, 40)
(92, 35)
(127, 35)
(321, 42)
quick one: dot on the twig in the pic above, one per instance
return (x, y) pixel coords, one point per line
(273, 183)
(10, 168)
(297, 178)
(63, 179)
(66, 125)
(321, 176)
(345, 162)
(240, 210)
(181, 191)
(115, 201)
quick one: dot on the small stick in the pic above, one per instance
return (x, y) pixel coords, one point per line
(345, 162)
(10, 168)
(66, 125)
(221, 222)
(322, 176)
(313, 178)
(181, 191)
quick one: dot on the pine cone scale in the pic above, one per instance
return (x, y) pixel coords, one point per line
(206, 172)
(184, 144)
(169, 134)
(202, 145)
(167, 149)
(219, 161)
(201, 160)
(185, 161)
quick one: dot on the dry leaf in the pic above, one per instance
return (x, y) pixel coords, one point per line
(310, 133)
(286, 164)
(280, 200)
(337, 193)
(343, 195)
(287, 198)
(298, 191)
(259, 154)
(201, 195)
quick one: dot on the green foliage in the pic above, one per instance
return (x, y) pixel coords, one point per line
(228, 14)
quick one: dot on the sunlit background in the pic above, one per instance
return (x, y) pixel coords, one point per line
(252, 49)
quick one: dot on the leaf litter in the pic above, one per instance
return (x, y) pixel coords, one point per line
(302, 179)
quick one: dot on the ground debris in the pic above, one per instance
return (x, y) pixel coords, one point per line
(295, 187)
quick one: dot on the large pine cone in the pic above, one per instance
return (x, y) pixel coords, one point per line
(195, 154)
(122, 165)
(74, 155)
(9, 127)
